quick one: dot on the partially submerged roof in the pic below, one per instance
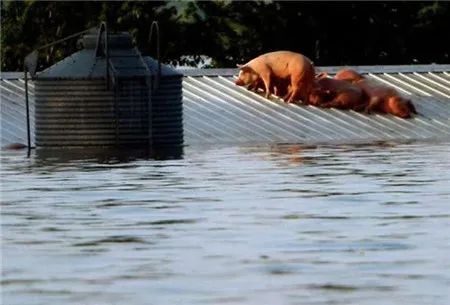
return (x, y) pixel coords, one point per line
(217, 111)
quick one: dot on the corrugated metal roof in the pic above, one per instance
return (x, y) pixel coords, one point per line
(12, 109)
(215, 110)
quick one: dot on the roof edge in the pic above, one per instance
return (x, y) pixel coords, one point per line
(330, 69)
(333, 69)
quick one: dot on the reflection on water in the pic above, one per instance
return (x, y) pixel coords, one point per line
(270, 224)
(105, 155)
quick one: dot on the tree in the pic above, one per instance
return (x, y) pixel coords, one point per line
(231, 32)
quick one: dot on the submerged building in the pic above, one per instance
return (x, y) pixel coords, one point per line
(213, 110)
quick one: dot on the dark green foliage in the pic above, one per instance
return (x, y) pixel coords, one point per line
(230, 32)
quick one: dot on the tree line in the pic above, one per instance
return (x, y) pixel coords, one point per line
(230, 32)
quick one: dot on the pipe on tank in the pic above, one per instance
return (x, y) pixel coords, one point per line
(155, 26)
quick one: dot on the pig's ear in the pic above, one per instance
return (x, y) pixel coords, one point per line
(246, 69)
(239, 66)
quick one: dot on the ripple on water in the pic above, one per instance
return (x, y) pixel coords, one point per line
(350, 288)
(118, 239)
(167, 222)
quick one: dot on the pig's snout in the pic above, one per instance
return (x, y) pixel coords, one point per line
(239, 82)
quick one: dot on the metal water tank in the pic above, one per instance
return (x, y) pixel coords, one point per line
(88, 100)
(167, 107)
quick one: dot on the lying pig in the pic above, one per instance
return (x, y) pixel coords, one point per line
(14, 146)
(291, 67)
(387, 100)
(381, 98)
(333, 93)
(348, 75)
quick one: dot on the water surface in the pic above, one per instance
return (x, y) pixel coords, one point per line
(269, 224)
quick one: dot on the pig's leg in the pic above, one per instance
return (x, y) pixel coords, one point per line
(359, 107)
(304, 91)
(363, 102)
(333, 104)
(374, 104)
(295, 93)
(340, 102)
(265, 75)
(346, 100)
(275, 90)
(288, 94)
(255, 85)
(300, 89)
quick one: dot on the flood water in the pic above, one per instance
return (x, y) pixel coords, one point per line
(269, 224)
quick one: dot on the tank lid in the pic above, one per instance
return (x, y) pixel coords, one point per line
(123, 56)
(122, 40)
(82, 65)
(79, 65)
(85, 65)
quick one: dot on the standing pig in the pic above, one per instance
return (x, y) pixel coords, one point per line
(294, 68)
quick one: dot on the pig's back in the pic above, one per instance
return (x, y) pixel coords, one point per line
(333, 84)
(283, 64)
(278, 59)
(373, 88)
(339, 85)
(286, 62)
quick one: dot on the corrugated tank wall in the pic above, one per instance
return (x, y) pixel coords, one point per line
(167, 112)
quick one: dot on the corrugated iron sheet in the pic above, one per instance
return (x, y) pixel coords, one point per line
(12, 109)
(217, 111)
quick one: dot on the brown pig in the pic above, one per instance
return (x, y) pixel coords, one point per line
(381, 98)
(15, 146)
(348, 75)
(333, 93)
(391, 102)
(291, 67)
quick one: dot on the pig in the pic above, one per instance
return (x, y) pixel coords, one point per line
(333, 93)
(294, 68)
(381, 98)
(14, 146)
(348, 75)
(392, 103)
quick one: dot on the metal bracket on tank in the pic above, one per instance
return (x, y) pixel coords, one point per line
(103, 47)
(155, 26)
(29, 65)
